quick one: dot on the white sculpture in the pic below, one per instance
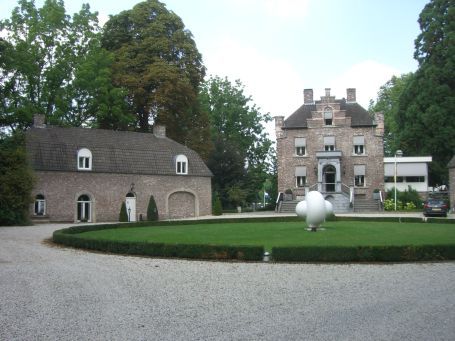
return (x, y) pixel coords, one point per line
(315, 209)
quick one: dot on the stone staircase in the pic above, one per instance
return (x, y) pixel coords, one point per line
(340, 203)
(366, 205)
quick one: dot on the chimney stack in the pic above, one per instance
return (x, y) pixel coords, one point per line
(159, 130)
(327, 92)
(308, 96)
(350, 95)
(38, 121)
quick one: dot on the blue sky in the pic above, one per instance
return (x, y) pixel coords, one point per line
(279, 47)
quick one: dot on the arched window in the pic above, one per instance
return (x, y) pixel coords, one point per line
(328, 116)
(181, 164)
(84, 208)
(40, 205)
(84, 159)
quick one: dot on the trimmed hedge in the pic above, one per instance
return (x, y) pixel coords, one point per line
(363, 253)
(74, 237)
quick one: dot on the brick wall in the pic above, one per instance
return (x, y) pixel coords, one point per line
(175, 196)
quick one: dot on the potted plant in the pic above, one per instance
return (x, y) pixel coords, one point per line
(376, 194)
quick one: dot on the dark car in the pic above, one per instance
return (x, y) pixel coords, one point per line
(435, 207)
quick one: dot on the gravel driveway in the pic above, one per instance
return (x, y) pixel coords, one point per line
(53, 293)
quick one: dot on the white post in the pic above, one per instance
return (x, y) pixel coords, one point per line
(397, 153)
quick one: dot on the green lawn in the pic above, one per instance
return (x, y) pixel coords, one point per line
(270, 234)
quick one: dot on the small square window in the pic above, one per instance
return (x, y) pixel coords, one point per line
(300, 181)
(329, 147)
(359, 149)
(300, 151)
(359, 181)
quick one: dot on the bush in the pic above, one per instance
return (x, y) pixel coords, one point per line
(16, 179)
(406, 200)
(123, 216)
(364, 253)
(217, 208)
(152, 210)
(73, 237)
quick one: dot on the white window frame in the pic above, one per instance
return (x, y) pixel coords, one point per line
(84, 208)
(84, 159)
(328, 116)
(181, 165)
(39, 208)
(361, 151)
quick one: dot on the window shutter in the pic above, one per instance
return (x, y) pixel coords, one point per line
(359, 169)
(359, 140)
(300, 171)
(300, 142)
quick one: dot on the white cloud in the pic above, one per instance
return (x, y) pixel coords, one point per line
(367, 77)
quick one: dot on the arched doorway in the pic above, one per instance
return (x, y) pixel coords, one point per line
(130, 203)
(182, 204)
(84, 208)
(329, 178)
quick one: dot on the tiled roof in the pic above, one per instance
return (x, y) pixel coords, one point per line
(359, 116)
(55, 149)
(451, 163)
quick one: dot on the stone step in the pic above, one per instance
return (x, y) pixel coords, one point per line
(366, 205)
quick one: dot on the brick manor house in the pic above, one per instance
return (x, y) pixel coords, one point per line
(85, 174)
(334, 146)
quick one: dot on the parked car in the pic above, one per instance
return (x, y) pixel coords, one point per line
(435, 207)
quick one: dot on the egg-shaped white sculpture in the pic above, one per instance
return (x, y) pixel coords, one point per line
(301, 209)
(328, 208)
(315, 209)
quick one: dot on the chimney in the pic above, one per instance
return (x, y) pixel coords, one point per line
(279, 123)
(308, 96)
(38, 121)
(350, 95)
(159, 130)
(327, 92)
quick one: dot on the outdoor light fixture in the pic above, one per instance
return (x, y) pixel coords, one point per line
(398, 153)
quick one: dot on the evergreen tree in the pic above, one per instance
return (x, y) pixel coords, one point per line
(424, 119)
(152, 210)
(123, 216)
(217, 207)
(16, 180)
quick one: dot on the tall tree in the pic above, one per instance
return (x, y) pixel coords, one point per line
(388, 101)
(52, 64)
(156, 59)
(241, 154)
(425, 123)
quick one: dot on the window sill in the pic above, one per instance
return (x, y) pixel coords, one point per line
(301, 156)
(84, 169)
(359, 155)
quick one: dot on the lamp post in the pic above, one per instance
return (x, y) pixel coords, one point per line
(398, 153)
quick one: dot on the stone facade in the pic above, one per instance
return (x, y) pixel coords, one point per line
(86, 174)
(316, 126)
(175, 196)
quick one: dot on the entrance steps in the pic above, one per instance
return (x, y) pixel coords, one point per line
(339, 201)
(366, 205)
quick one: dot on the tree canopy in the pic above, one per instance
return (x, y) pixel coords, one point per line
(52, 64)
(156, 59)
(240, 159)
(425, 124)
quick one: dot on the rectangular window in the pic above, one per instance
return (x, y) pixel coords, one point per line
(300, 146)
(415, 179)
(359, 175)
(84, 162)
(181, 167)
(359, 145)
(301, 181)
(329, 143)
(359, 180)
(389, 179)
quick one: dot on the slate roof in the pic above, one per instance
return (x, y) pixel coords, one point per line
(55, 149)
(359, 116)
(451, 163)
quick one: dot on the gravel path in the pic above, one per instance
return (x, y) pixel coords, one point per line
(52, 293)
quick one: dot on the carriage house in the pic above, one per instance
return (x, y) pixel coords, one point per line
(334, 146)
(85, 174)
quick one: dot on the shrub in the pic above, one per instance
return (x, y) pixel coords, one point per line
(152, 210)
(217, 208)
(123, 216)
(16, 179)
